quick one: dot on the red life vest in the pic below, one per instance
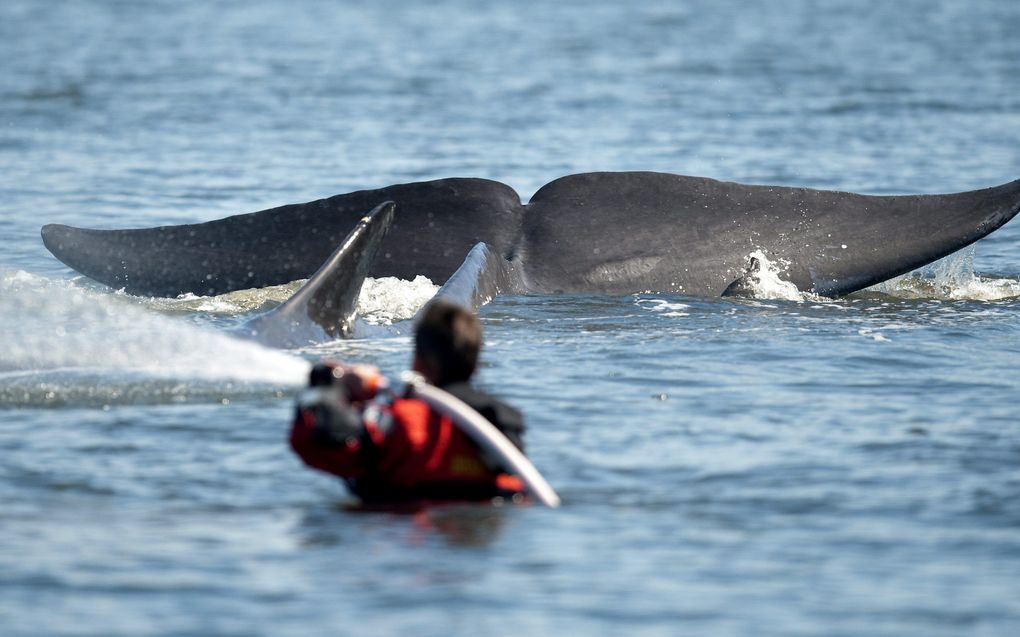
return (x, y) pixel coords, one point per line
(406, 452)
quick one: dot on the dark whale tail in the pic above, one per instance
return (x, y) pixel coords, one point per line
(324, 307)
(607, 233)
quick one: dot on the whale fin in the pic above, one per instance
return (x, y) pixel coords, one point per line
(748, 282)
(324, 307)
(483, 275)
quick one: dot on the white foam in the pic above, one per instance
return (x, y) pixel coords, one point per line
(383, 301)
(229, 304)
(950, 279)
(769, 284)
(389, 300)
(666, 308)
(872, 334)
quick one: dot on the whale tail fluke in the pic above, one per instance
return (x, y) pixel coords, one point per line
(324, 307)
(604, 233)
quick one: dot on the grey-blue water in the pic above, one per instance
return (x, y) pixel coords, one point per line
(794, 466)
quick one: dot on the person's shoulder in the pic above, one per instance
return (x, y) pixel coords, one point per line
(507, 419)
(471, 395)
(488, 405)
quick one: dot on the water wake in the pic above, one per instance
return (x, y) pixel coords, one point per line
(66, 342)
(60, 340)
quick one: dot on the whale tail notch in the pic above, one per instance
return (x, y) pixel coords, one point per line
(325, 306)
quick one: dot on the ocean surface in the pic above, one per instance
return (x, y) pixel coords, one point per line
(784, 465)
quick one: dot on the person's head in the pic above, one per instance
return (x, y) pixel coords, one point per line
(446, 343)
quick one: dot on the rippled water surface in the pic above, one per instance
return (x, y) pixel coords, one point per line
(784, 465)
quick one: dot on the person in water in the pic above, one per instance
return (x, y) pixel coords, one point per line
(398, 449)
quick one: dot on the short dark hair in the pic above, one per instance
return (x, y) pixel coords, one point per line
(448, 338)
